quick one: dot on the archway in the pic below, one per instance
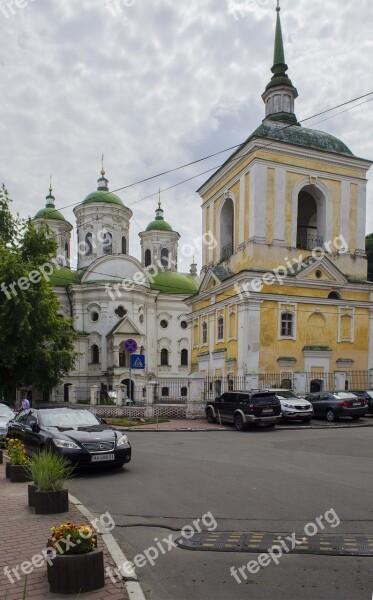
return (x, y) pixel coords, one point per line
(316, 386)
(227, 230)
(311, 218)
(129, 388)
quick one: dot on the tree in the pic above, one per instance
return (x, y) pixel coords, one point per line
(369, 251)
(37, 345)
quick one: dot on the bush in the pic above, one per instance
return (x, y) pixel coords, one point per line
(16, 452)
(82, 538)
(49, 471)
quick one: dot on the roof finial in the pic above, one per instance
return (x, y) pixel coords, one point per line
(278, 8)
(102, 163)
(50, 185)
(159, 198)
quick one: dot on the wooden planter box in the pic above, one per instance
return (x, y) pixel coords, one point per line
(1, 457)
(31, 494)
(7, 469)
(76, 574)
(50, 503)
(19, 473)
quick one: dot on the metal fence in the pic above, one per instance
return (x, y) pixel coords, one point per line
(171, 391)
(215, 386)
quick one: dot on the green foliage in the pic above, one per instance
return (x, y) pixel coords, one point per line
(369, 251)
(49, 471)
(37, 346)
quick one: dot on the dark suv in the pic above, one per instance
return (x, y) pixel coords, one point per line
(243, 408)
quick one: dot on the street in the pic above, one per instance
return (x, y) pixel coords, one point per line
(257, 481)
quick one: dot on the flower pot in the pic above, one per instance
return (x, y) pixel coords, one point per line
(76, 574)
(19, 473)
(50, 503)
(1, 457)
(7, 469)
(31, 494)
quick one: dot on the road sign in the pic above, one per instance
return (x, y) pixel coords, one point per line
(130, 346)
(137, 361)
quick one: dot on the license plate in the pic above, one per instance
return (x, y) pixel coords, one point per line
(267, 411)
(356, 404)
(102, 457)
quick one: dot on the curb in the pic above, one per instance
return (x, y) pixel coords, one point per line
(279, 428)
(131, 581)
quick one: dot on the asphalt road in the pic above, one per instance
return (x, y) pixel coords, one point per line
(268, 481)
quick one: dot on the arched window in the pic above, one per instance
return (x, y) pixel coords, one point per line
(165, 392)
(334, 296)
(287, 324)
(227, 230)
(204, 332)
(95, 354)
(108, 243)
(184, 358)
(124, 245)
(220, 328)
(164, 357)
(184, 392)
(148, 258)
(311, 218)
(67, 254)
(165, 257)
(88, 244)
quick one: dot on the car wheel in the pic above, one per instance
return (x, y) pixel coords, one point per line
(330, 416)
(210, 416)
(308, 420)
(238, 423)
(356, 418)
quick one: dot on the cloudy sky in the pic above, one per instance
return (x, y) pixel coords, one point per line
(155, 84)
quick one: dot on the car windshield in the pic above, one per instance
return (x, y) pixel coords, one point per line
(344, 394)
(6, 412)
(287, 394)
(68, 418)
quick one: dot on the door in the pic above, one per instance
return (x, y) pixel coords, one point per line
(31, 437)
(324, 403)
(17, 429)
(222, 409)
(230, 405)
(315, 403)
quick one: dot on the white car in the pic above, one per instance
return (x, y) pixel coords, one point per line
(293, 407)
(6, 415)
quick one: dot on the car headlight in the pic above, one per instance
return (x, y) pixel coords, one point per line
(122, 440)
(65, 444)
(287, 405)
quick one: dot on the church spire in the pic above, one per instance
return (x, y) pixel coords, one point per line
(50, 198)
(103, 182)
(280, 93)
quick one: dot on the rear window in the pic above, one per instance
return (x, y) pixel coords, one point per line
(344, 395)
(264, 396)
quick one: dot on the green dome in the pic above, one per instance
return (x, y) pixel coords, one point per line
(63, 277)
(170, 282)
(49, 212)
(159, 225)
(300, 136)
(103, 196)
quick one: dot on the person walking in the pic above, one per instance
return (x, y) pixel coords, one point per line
(25, 404)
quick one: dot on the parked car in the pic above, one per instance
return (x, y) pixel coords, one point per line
(367, 395)
(243, 408)
(6, 415)
(333, 405)
(76, 433)
(293, 407)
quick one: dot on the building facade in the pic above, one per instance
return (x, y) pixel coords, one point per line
(285, 291)
(112, 297)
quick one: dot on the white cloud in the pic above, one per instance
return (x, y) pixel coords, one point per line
(161, 84)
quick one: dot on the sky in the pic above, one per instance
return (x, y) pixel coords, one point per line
(156, 84)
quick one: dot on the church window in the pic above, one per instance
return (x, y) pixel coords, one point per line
(124, 245)
(334, 296)
(184, 392)
(184, 325)
(95, 354)
(95, 316)
(226, 230)
(311, 218)
(184, 358)
(287, 324)
(165, 257)
(164, 324)
(67, 254)
(88, 245)
(108, 243)
(121, 312)
(164, 357)
(148, 258)
(204, 333)
(165, 392)
(220, 329)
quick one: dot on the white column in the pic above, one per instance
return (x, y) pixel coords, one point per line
(204, 249)
(243, 339)
(253, 353)
(241, 223)
(95, 394)
(361, 218)
(152, 340)
(280, 207)
(345, 210)
(258, 202)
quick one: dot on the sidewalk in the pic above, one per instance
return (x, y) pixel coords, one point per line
(178, 425)
(24, 534)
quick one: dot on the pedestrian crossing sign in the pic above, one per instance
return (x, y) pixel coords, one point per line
(137, 361)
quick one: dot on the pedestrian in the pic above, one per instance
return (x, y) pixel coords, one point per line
(25, 404)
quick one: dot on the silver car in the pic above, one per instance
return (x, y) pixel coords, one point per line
(6, 415)
(293, 407)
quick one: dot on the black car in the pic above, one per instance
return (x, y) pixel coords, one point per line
(333, 405)
(77, 434)
(243, 408)
(366, 395)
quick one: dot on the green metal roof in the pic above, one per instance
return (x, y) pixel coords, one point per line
(63, 277)
(300, 136)
(159, 225)
(103, 196)
(49, 212)
(174, 283)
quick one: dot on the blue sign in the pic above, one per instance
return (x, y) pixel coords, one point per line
(137, 361)
(130, 346)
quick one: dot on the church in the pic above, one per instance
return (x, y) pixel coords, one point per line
(284, 298)
(113, 297)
